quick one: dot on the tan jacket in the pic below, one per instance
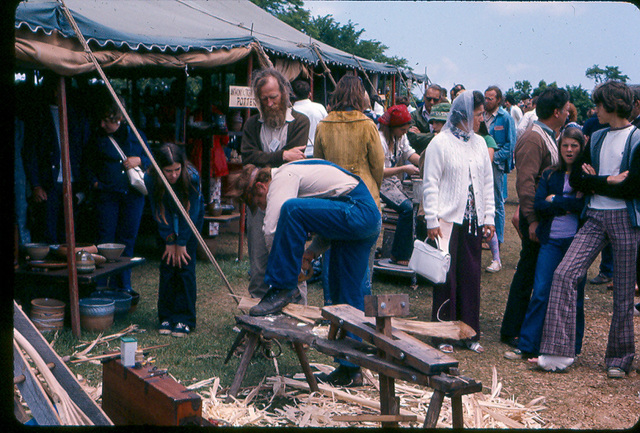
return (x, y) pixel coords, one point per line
(350, 139)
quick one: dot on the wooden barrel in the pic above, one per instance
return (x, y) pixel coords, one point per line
(47, 314)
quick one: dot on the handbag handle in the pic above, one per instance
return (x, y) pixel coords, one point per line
(115, 144)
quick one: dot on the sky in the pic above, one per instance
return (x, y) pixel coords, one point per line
(480, 44)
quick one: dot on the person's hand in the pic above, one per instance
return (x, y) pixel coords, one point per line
(131, 162)
(176, 255)
(39, 194)
(614, 180)
(294, 154)
(550, 198)
(587, 168)
(515, 220)
(434, 233)
(488, 231)
(532, 231)
(414, 129)
(306, 269)
(411, 169)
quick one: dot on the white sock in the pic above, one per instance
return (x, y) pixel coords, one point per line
(554, 362)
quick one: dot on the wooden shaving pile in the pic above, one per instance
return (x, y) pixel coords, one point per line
(304, 409)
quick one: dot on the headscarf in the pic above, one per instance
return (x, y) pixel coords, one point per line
(460, 119)
(395, 115)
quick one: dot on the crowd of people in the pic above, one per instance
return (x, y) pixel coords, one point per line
(327, 172)
(575, 195)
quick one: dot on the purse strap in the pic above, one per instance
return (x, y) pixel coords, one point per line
(115, 144)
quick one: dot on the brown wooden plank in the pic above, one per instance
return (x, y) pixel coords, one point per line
(401, 346)
(60, 371)
(32, 392)
(304, 362)
(361, 354)
(278, 327)
(389, 305)
(433, 412)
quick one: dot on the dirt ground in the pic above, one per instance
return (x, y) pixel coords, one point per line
(581, 398)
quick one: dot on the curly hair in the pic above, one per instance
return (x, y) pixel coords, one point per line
(242, 185)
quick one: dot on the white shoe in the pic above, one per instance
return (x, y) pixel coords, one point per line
(636, 310)
(554, 362)
(494, 267)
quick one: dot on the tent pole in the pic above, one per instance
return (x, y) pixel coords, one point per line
(67, 196)
(327, 71)
(155, 165)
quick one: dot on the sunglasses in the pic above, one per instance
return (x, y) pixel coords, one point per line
(433, 99)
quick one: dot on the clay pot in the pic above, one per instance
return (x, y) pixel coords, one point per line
(36, 251)
(96, 314)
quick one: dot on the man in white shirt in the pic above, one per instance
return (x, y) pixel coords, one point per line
(313, 110)
(319, 197)
(512, 107)
(528, 117)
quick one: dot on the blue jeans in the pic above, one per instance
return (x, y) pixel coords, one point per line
(606, 261)
(499, 197)
(177, 290)
(351, 223)
(119, 216)
(549, 257)
(402, 246)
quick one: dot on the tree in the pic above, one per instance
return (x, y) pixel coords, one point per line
(581, 99)
(326, 29)
(599, 75)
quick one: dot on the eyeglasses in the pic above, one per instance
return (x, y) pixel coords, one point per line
(432, 99)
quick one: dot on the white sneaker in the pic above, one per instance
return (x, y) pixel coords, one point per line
(554, 362)
(636, 310)
(494, 267)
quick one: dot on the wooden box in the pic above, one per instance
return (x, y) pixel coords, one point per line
(132, 396)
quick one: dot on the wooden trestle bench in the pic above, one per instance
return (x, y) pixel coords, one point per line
(392, 353)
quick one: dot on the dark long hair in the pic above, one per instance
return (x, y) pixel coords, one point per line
(166, 155)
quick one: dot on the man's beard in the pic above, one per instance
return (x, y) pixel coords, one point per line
(274, 116)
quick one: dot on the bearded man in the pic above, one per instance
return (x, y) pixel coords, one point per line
(274, 136)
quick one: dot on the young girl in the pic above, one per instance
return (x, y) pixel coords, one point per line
(558, 207)
(399, 160)
(177, 292)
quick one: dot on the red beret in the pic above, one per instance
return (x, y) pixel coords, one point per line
(395, 116)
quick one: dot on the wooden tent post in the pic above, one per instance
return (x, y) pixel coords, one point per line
(67, 196)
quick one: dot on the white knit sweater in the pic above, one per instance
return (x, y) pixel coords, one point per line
(449, 165)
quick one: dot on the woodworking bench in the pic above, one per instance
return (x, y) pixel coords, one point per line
(391, 353)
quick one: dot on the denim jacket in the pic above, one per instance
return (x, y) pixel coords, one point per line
(503, 132)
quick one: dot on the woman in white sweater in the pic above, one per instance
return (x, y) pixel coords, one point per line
(459, 209)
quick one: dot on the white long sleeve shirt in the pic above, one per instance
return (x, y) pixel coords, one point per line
(450, 165)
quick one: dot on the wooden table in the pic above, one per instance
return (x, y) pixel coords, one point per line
(27, 274)
(224, 219)
(53, 283)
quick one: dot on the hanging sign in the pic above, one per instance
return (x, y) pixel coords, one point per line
(241, 97)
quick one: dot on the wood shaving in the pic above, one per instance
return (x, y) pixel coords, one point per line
(298, 407)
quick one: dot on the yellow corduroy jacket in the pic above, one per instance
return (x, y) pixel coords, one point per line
(350, 139)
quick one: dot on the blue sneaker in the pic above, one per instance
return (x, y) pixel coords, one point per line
(180, 330)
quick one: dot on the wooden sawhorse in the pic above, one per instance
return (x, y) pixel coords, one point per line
(393, 356)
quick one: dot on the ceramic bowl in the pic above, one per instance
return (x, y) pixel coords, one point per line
(122, 301)
(37, 251)
(111, 252)
(99, 260)
(61, 249)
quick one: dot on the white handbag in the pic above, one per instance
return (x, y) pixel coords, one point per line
(136, 175)
(432, 263)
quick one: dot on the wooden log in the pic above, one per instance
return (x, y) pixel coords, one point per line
(454, 330)
(310, 313)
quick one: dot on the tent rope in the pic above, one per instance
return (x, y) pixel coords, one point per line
(156, 167)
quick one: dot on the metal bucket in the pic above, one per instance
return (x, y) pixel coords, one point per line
(47, 314)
